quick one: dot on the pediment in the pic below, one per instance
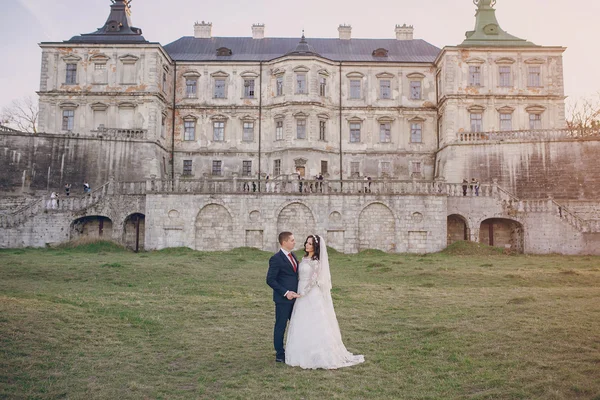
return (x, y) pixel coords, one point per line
(416, 75)
(191, 74)
(385, 119)
(355, 74)
(249, 75)
(323, 72)
(535, 60)
(129, 59)
(68, 105)
(385, 75)
(98, 106)
(535, 109)
(475, 60)
(476, 109)
(301, 68)
(71, 58)
(220, 74)
(505, 60)
(505, 110)
(99, 58)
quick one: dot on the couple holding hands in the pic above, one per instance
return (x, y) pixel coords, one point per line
(302, 295)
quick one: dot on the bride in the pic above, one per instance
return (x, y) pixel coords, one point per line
(314, 339)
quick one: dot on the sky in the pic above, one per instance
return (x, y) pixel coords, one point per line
(572, 24)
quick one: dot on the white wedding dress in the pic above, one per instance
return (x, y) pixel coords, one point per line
(314, 339)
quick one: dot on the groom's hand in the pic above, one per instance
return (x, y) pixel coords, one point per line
(291, 295)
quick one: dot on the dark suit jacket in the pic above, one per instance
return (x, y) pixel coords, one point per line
(281, 276)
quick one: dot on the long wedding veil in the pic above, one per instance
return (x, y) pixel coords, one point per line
(324, 279)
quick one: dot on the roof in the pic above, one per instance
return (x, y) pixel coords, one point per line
(487, 32)
(248, 49)
(116, 29)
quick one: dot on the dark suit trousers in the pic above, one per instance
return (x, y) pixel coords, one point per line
(283, 312)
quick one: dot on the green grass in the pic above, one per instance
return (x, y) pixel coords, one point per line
(97, 322)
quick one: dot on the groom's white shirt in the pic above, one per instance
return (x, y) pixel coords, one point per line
(287, 255)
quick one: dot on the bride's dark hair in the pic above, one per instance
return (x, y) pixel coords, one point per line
(316, 245)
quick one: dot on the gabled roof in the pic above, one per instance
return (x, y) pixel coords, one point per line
(248, 49)
(117, 28)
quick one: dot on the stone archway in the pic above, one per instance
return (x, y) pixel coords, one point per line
(214, 229)
(458, 229)
(502, 232)
(377, 228)
(94, 226)
(298, 219)
(134, 231)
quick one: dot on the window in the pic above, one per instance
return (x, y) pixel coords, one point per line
(301, 129)
(216, 168)
(355, 132)
(187, 167)
(416, 167)
(385, 133)
(68, 120)
(249, 88)
(386, 168)
(324, 168)
(355, 169)
(474, 75)
(355, 89)
(505, 77)
(301, 84)
(219, 88)
(385, 89)
(476, 123)
(130, 78)
(163, 126)
(190, 88)
(100, 74)
(278, 130)
(189, 128)
(246, 168)
(276, 167)
(71, 78)
(535, 121)
(415, 90)
(416, 132)
(535, 77)
(322, 86)
(279, 86)
(248, 133)
(322, 130)
(505, 122)
(218, 131)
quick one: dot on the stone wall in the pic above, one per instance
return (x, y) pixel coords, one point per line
(44, 163)
(349, 223)
(566, 170)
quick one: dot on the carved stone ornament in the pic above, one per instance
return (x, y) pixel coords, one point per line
(483, 3)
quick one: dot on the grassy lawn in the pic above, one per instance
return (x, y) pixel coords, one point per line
(98, 322)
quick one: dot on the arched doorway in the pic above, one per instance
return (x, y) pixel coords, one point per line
(501, 232)
(458, 229)
(134, 232)
(95, 226)
(377, 228)
(214, 229)
(298, 219)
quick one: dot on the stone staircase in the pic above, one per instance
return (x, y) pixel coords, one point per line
(512, 205)
(44, 205)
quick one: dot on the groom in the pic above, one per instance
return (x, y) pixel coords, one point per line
(282, 276)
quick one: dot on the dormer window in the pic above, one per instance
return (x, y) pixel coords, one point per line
(224, 52)
(113, 26)
(381, 52)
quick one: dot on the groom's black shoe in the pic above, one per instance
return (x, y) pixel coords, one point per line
(280, 359)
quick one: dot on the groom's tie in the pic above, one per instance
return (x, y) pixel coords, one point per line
(293, 262)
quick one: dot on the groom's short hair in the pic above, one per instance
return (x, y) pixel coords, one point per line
(284, 236)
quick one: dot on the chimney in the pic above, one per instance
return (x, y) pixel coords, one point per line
(404, 32)
(258, 31)
(202, 30)
(345, 31)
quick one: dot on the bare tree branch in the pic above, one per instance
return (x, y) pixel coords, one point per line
(22, 114)
(584, 113)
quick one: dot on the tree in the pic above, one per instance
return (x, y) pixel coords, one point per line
(21, 114)
(584, 114)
